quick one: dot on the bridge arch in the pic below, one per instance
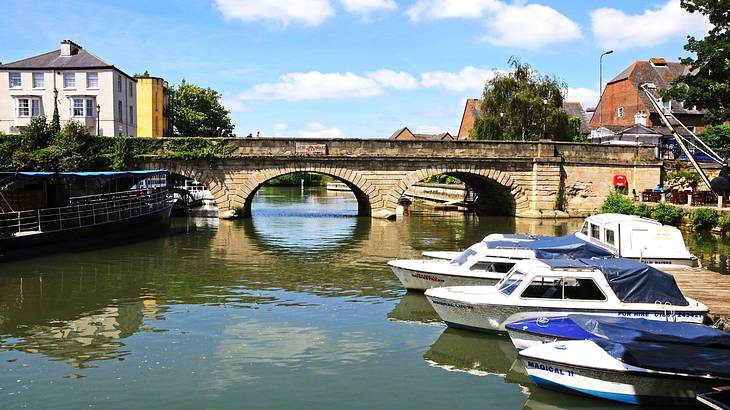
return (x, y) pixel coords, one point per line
(499, 193)
(364, 192)
(217, 188)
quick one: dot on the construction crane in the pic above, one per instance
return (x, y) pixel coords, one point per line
(719, 185)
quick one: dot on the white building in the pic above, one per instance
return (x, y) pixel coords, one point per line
(87, 89)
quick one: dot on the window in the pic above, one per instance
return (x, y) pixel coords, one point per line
(15, 80)
(544, 288)
(131, 89)
(131, 114)
(511, 282)
(38, 80)
(620, 112)
(28, 107)
(610, 237)
(82, 107)
(120, 113)
(595, 231)
(92, 80)
(584, 229)
(582, 289)
(498, 267)
(119, 83)
(78, 107)
(69, 80)
(90, 107)
(156, 103)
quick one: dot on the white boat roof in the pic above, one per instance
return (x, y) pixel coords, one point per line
(619, 218)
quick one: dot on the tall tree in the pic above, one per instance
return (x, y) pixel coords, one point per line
(198, 112)
(522, 105)
(707, 86)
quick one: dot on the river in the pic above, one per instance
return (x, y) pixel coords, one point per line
(294, 307)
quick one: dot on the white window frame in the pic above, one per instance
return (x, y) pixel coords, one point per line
(95, 76)
(87, 107)
(620, 112)
(12, 76)
(32, 108)
(42, 84)
(69, 78)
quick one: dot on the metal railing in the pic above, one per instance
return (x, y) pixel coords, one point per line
(84, 211)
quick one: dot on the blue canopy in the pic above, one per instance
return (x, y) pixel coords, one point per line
(82, 175)
(554, 247)
(631, 281)
(651, 344)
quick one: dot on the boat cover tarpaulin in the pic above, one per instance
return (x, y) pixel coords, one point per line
(88, 174)
(554, 247)
(631, 281)
(665, 346)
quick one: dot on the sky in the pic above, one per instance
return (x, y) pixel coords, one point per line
(353, 68)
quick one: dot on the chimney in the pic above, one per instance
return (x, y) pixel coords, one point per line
(658, 62)
(69, 48)
(640, 118)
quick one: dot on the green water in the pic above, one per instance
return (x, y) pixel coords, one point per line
(294, 308)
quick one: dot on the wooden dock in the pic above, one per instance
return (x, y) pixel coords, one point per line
(708, 287)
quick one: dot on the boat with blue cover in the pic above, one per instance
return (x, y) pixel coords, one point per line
(625, 236)
(477, 266)
(41, 211)
(631, 361)
(556, 287)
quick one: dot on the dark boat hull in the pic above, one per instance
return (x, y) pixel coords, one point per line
(86, 237)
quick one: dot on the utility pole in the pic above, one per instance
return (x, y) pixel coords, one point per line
(600, 86)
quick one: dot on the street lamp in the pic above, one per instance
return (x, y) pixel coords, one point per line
(98, 124)
(600, 86)
(544, 117)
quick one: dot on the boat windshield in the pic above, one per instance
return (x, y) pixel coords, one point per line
(510, 283)
(464, 257)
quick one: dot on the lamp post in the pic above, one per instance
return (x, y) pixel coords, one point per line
(98, 123)
(600, 86)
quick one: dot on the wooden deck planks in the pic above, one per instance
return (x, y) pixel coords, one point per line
(708, 287)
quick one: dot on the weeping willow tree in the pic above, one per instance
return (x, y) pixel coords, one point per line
(522, 105)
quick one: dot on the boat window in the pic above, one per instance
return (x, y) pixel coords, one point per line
(511, 282)
(544, 288)
(610, 237)
(595, 231)
(464, 257)
(499, 267)
(584, 229)
(583, 289)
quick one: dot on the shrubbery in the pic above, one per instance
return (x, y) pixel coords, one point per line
(643, 210)
(668, 214)
(723, 223)
(704, 219)
(616, 203)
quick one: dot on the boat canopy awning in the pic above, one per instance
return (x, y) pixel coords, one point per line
(59, 176)
(631, 281)
(665, 346)
(552, 247)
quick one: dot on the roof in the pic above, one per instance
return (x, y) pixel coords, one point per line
(612, 218)
(659, 72)
(638, 129)
(74, 175)
(406, 134)
(575, 109)
(81, 59)
(471, 112)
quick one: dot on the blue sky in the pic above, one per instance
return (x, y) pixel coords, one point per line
(354, 68)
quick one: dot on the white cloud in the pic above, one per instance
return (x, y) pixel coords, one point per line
(315, 130)
(614, 29)
(314, 85)
(586, 96)
(280, 126)
(469, 78)
(531, 27)
(310, 12)
(396, 79)
(431, 129)
(233, 103)
(443, 9)
(368, 6)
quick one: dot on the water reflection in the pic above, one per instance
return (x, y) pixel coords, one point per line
(414, 307)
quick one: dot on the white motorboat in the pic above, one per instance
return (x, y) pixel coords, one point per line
(609, 286)
(626, 236)
(641, 369)
(479, 266)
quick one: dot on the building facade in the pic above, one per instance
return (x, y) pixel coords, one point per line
(84, 87)
(153, 107)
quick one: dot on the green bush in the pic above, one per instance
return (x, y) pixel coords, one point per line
(704, 219)
(723, 223)
(617, 204)
(667, 214)
(643, 210)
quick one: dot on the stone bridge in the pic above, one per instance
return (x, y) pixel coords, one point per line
(531, 179)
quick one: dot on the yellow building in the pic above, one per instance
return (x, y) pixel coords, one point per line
(153, 105)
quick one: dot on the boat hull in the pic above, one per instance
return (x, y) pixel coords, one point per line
(622, 386)
(493, 317)
(421, 280)
(36, 244)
